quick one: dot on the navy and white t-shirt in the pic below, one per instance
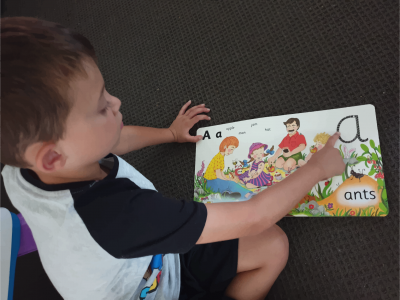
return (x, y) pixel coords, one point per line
(116, 238)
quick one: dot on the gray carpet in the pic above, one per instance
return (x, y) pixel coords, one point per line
(281, 56)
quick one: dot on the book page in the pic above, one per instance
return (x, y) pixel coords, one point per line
(236, 161)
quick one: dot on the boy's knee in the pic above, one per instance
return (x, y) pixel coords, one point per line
(290, 162)
(283, 244)
(280, 246)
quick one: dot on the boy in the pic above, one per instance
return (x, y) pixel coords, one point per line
(101, 228)
(216, 180)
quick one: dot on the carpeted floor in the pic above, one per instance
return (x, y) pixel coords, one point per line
(250, 59)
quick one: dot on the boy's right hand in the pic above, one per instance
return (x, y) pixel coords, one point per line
(328, 161)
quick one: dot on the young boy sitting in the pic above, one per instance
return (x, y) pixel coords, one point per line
(101, 228)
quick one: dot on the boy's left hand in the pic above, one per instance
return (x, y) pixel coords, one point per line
(185, 121)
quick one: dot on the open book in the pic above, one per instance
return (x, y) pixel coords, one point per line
(236, 161)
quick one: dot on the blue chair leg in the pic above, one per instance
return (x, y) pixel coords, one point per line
(16, 237)
(10, 244)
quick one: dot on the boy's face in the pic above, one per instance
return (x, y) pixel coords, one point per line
(229, 150)
(319, 145)
(93, 129)
(292, 128)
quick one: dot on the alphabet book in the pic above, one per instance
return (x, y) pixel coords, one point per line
(253, 155)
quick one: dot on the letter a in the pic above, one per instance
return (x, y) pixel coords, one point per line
(206, 134)
(219, 134)
(358, 130)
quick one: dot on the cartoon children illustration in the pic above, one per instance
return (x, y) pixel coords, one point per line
(320, 140)
(216, 179)
(256, 177)
(291, 147)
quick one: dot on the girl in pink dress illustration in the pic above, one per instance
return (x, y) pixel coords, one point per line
(256, 177)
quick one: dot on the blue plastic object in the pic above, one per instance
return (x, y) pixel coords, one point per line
(10, 245)
(16, 237)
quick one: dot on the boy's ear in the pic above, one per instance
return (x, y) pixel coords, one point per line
(48, 159)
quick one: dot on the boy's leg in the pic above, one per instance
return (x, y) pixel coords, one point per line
(237, 188)
(289, 164)
(218, 185)
(250, 185)
(280, 162)
(301, 162)
(261, 259)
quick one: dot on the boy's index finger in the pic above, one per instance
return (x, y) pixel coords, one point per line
(183, 109)
(332, 140)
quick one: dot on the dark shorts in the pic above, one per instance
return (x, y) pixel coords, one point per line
(208, 269)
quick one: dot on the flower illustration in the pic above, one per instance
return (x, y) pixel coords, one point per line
(352, 213)
(326, 183)
(369, 161)
(347, 153)
(199, 173)
(330, 205)
(311, 206)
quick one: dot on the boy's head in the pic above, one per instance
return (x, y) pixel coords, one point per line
(292, 125)
(320, 140)
(228, 145)
(56, 116)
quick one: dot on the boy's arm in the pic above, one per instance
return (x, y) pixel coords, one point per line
(226, 221)
(308, 157)
(300, 148)
(137, 137)
(221, 174)
(274, 157)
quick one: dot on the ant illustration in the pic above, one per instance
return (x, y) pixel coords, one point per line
(356, 175)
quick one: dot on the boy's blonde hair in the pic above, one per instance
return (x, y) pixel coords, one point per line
(38, 61)
(322, 138)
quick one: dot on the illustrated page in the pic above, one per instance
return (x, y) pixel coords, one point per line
(236, 161)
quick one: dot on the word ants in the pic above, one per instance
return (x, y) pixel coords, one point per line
(348, 195)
